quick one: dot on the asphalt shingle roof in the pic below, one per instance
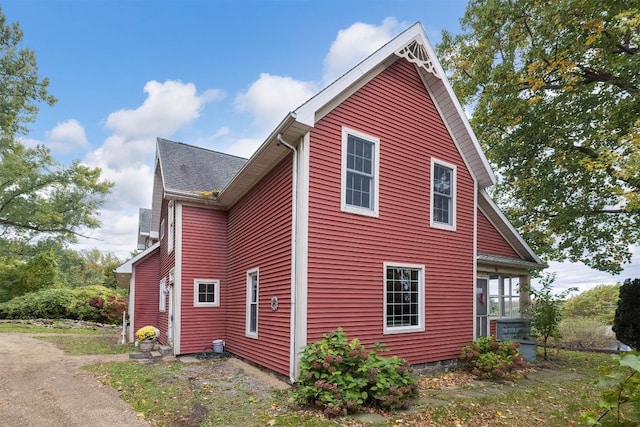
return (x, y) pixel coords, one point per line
(192, 169)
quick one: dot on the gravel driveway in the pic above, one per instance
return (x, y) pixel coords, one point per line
(40, 386)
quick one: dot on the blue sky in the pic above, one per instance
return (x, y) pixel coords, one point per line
(218, 74)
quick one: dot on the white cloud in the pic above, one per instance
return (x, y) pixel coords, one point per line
(67, 137)
(355, 43)
(271, 97)
(244, 147)
(169, 106)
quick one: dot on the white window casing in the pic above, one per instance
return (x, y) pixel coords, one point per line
(360, 173)
(253, 289)
(404, 299)
(442, 191)
(206, 293)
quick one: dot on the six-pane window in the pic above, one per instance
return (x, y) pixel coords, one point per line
(504, 296)
(359, 172)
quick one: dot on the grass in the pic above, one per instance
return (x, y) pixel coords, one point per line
(172, 393)
(55, 329)
(88, 344)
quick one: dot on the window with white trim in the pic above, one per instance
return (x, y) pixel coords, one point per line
(172, 276)
(206, 293)
(162, 229)
(252, 303)
(360, 171)
(170, 228)
(162, 304)
(443, 195)
(504, 296)
(403, 298)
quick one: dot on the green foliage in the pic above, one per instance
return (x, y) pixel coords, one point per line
(92, 303)
(584, 333)
(621, 395)
(626, 323)
(554, 90)
(340, 376)
(487, 357)
(598, 303)
(545, 311)
(39, 197)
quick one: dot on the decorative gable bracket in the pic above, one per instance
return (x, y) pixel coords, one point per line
(416, 53)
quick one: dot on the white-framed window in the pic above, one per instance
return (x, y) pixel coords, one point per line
(403, 298)
(162, 229)
(252, 303)
(162, 303)
(206, 293)
(360, 172)
(172, 276)
(171, 227)
(504, 296)
(443, 195)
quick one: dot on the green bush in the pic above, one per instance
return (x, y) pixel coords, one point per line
(489, 358)
(92, 303)
(340, 376)
(626, 322)
(584, 333)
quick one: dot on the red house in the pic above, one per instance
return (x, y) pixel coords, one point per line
(365, 209)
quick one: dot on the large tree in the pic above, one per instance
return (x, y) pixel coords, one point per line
(39, 197)
(554, 90)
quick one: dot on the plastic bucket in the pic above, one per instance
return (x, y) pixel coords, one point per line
(218, 346)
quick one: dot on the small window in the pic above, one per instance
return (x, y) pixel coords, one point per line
(403, 298)
(252, 304)
(172, 276)
(162, 305)
(162, 229)
(206, 293)
(504, 296)
(171, 228)
(360, 165)
(443, 195)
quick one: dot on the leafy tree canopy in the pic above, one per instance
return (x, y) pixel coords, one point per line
(554, 90)
(39, 198)
(598, 303)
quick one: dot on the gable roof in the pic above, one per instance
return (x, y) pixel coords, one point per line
(144, 227)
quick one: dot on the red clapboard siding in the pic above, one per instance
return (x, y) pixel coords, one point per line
(204, 248)
(259, 236)
(147, 292)
(347, 251)
(490, 241)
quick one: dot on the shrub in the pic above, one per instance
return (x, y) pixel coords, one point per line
(92, 303)
(340, 376)
(489, 358)
(584, 333)
(626, 322)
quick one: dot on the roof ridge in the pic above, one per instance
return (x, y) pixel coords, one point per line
(200, 148)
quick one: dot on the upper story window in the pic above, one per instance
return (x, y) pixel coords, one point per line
(403, 298)
(171, 227)
(360, 172)
(162, 303)
(443, 195)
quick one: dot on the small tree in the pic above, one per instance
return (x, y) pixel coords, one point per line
(545, 311)
(626, 322)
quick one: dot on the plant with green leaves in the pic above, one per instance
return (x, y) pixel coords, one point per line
(545, 311)
(598, 303)
(340, 376)
(554, 88)
(626, 322)
(487, 357)
(620, 403)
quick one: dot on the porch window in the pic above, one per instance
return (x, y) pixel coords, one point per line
(206, 293)
(252, 304)
(443, 192)
(360, 165)
(403, 298)
(504, 296)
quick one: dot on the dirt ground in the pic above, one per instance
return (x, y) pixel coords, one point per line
(40, 386)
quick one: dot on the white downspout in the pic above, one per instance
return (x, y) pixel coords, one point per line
(294, 239)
